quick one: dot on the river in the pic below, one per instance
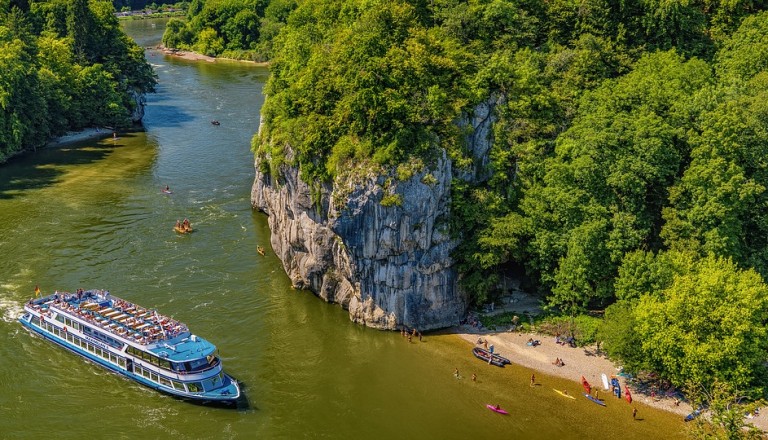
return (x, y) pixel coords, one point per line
(92, 215)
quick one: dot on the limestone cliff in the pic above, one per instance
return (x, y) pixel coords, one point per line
(375, 244)
(140, 101)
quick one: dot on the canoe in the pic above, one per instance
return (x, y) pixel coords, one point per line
(586, 385)
(494, 409)
(563, 394)
(485, 355)
(597, 401)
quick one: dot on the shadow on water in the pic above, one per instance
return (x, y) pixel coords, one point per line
(169, 115)
(41, 169)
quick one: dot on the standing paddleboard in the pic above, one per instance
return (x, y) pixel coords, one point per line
(605, 382)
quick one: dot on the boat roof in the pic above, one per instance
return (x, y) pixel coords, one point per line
(185, 349)
(159, 334)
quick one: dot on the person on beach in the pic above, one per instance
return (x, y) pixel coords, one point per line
(474, 377)
(634, 413)
(533, 379)
(456, 372)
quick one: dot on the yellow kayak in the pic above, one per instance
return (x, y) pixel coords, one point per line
(564, 394)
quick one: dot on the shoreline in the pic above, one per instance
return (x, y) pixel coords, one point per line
(87, 134)
(579, 361)
(194, 56)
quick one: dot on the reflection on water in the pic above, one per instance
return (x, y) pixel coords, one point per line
(93, 215)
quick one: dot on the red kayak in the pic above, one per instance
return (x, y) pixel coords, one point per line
(495, 408)
(627, 395)
(585, 384)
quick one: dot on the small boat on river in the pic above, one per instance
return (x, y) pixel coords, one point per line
(491, 358)
(496, 408)
(138, 343)
(181, 230)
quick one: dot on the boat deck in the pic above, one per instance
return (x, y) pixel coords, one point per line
(115, 315)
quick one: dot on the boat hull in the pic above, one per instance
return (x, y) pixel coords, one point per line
(485, 355)
(229, 400)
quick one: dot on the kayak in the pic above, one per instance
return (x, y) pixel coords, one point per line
(494, 409)
(563, 394)
(597, 401)
(627, 395)
(585, 384)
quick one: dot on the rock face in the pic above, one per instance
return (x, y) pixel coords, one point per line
(137, 113)
(388, 263)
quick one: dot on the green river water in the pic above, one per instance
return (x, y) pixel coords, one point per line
(91, 215)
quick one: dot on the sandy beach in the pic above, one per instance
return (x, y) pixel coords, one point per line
(193, 56)
(581, 361)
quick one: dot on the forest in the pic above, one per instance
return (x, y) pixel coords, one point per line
(627, 170)
(64, 66)
(239, 29)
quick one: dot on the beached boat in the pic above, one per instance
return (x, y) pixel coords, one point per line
(563, 394)
(133, 341)
(594, 399)
(586, 385)
(693, 415)
(484, 355)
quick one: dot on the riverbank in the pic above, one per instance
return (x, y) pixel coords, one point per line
(581, 361)
(194, 56)
(79, 136)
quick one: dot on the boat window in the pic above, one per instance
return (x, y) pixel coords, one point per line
(178, 385)
(154, 377)
(60, 317)
(198, 364)
(121, 362)
(165, 381)
(195, 387)
(165, 364)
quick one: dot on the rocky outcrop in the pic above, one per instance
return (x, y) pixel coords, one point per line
(377, 245)
(140, 101)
